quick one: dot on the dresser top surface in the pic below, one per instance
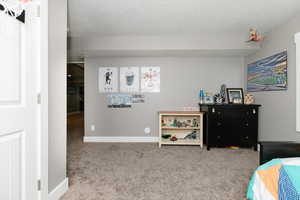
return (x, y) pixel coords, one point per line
(231, 105)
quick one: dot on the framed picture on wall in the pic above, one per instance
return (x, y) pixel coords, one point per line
(235, 95)
(150, 79)
(129, 79)
(108, 79)
(268, 74)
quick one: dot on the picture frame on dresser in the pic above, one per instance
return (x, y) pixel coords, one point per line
(235, 95)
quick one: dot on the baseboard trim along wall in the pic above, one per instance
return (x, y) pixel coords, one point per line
(88, 139)
(60, 190)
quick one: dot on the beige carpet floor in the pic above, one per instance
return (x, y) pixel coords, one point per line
(145, 172)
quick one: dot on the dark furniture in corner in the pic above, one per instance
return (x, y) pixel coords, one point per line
(230, 125)
(272, 150)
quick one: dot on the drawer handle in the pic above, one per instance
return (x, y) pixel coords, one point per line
(213, 110)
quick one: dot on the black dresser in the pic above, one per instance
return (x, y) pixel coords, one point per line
(230, 125)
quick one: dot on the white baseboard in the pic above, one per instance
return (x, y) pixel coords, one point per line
(59, 191)
(121, 139)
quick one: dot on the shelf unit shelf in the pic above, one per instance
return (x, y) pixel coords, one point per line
(181, 132)
(181, 128)
(181, 142)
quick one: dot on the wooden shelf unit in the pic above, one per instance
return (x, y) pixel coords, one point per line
(185, 120)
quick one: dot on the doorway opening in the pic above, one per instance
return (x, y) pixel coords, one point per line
(75, 103)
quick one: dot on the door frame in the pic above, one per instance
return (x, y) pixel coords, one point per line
(297, 41)
(43, 139)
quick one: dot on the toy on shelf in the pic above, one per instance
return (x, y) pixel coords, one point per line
(195, 123)
(166, 136)
(179, 123)
(191, 136)
(174, 138)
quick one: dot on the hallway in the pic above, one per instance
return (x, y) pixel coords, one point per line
(75, 132)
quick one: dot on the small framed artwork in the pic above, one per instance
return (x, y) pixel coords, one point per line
(235, 95)
(209, 100)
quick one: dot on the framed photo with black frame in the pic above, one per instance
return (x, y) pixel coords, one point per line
(235, 95)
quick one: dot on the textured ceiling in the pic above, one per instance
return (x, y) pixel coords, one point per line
(96, 18)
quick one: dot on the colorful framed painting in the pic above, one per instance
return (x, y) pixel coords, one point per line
(268, 74)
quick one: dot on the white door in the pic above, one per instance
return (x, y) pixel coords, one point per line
(19, 58)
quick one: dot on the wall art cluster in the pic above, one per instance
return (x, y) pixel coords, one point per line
(129, 79)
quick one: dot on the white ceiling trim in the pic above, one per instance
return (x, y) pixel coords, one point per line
(159, 45)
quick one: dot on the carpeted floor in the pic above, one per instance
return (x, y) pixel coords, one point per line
(145, 172)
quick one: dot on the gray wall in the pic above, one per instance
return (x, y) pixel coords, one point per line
(181, 79)
(278, 112)
(57, 92)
